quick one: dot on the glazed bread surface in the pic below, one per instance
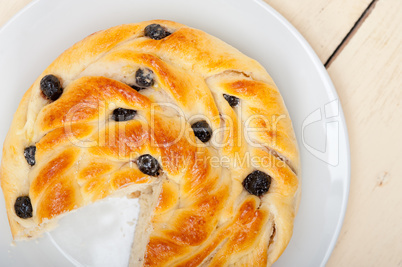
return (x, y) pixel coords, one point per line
(167, 113)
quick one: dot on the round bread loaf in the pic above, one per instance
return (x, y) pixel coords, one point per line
(167, 113)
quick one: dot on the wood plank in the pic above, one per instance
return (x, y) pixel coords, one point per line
(10, 8)
(351, 33)
(367, 75)
(324, 23)
(368, 78)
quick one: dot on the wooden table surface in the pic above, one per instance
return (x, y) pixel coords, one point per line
(360, 43)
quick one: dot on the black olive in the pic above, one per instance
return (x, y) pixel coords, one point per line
(202, 131)
(29, 154)
(144, 78)
(232, 100)
(122, 114)
(148, 165)
(257, 183)
(156, 32)
(137, 88)
(23, 207)
(51, 87)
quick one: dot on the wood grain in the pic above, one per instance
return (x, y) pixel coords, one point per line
(368, 78)
(324, 23)
(9, 8)
(351, 33)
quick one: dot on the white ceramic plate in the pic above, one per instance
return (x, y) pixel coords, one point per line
(100, 235)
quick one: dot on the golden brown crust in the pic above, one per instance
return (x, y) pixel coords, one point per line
(203, 215)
